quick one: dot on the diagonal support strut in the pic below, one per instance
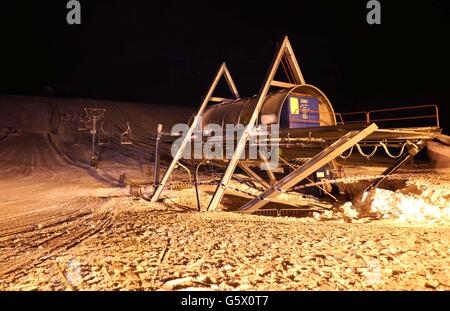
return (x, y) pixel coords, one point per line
(412, 151)
(315, 163)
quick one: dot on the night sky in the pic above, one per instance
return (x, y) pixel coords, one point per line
(166, 52)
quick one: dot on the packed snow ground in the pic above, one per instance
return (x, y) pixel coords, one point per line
(64, 226)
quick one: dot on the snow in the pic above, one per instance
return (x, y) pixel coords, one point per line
(65, 226)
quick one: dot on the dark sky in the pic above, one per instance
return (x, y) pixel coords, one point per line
(167, 51)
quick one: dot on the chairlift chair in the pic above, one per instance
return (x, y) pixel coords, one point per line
(83, 124)
(103, 137)
(125, 138)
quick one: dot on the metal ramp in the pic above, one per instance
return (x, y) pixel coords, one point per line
(315, 163)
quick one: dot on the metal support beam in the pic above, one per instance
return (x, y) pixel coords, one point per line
(222, 72)
(219, 99)
(253, 175)
(285, 50)
(315, 163)
(293, 63)
(337, 174)
(282, 84)
(269, 172)
(343, 189)
(94, 133)
(413, 149)
(157, 156)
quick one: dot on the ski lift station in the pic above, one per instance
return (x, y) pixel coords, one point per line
(312, 136)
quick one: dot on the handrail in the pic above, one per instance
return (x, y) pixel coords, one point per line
(368, 115)
(340, 116)
(336, 114)
(365, 113)
(436, 115)
(405, 108)
(404, 118)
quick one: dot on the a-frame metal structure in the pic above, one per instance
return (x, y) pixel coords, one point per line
(285, 50)
(222, 72)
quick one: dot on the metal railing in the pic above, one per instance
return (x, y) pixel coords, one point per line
(374, 115)
(316, 113)
(282, 212)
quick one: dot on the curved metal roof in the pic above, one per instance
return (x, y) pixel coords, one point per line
(239, 111)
